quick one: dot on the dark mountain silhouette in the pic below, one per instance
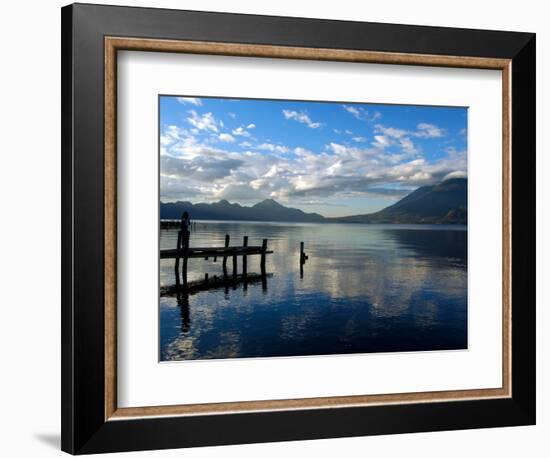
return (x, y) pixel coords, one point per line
(444, 203)
(266, 210)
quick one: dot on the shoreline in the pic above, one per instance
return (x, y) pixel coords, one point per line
(175, 223)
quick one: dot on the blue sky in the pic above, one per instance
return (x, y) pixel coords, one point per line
(326, 157)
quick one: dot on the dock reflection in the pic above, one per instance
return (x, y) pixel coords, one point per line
(183, 303)
(364, 288)
(182, 295)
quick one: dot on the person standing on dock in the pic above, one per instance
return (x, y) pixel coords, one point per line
(185, 223)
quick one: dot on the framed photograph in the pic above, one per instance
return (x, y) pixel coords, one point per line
(281, 228)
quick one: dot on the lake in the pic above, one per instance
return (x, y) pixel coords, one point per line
(365, 288)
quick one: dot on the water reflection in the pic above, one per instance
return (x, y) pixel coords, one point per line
(183, 303)
(364, 288)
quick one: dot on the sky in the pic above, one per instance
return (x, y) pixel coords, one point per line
(332, 158)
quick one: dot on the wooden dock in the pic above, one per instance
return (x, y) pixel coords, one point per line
(214, 252)
(183, 252)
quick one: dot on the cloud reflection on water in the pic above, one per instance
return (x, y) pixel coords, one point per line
(365, 288)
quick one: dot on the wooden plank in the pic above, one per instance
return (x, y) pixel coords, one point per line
(222, 248)
(232, 251)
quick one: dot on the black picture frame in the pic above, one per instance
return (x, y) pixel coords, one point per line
(84, 428)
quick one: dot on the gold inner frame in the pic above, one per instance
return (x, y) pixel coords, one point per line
(114, 44)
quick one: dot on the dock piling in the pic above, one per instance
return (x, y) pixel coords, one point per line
(225, 257)
(183, 252)
(245, 262)
(185, 241)
(177, 263)
(262, 261)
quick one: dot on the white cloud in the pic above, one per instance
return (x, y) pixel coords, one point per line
(455, 174)
(408, 146)
(390, 131)
(251, 126)
(240, 131)
(356, 112)
(402, 138)
(203, 122)
(191, 100)
(359, 139)
(196, 171)
(239, 192)
(426, 130)
(273, 148)
(361, 114)
(381, 141)
(395, 136)
(226, 138)
(301, 117)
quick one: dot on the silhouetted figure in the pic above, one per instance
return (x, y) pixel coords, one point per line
(185, 222)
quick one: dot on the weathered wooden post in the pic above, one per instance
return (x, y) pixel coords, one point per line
(245, 244)
(234, 267)
(225, 257)
(262, 262)
(177, 262)
(206, 278)
(185, 257)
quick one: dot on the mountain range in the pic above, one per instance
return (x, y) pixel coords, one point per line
(266, 210)
(443, 203)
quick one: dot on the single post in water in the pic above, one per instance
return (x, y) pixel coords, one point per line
(225, 257)
(262, 262)
(303, 259)
(245, 266)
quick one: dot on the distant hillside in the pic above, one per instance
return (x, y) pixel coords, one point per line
(444, 203)
(267, 210)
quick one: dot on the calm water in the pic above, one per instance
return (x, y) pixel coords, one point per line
(365, 288)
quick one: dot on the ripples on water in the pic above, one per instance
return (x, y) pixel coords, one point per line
(366, 288)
